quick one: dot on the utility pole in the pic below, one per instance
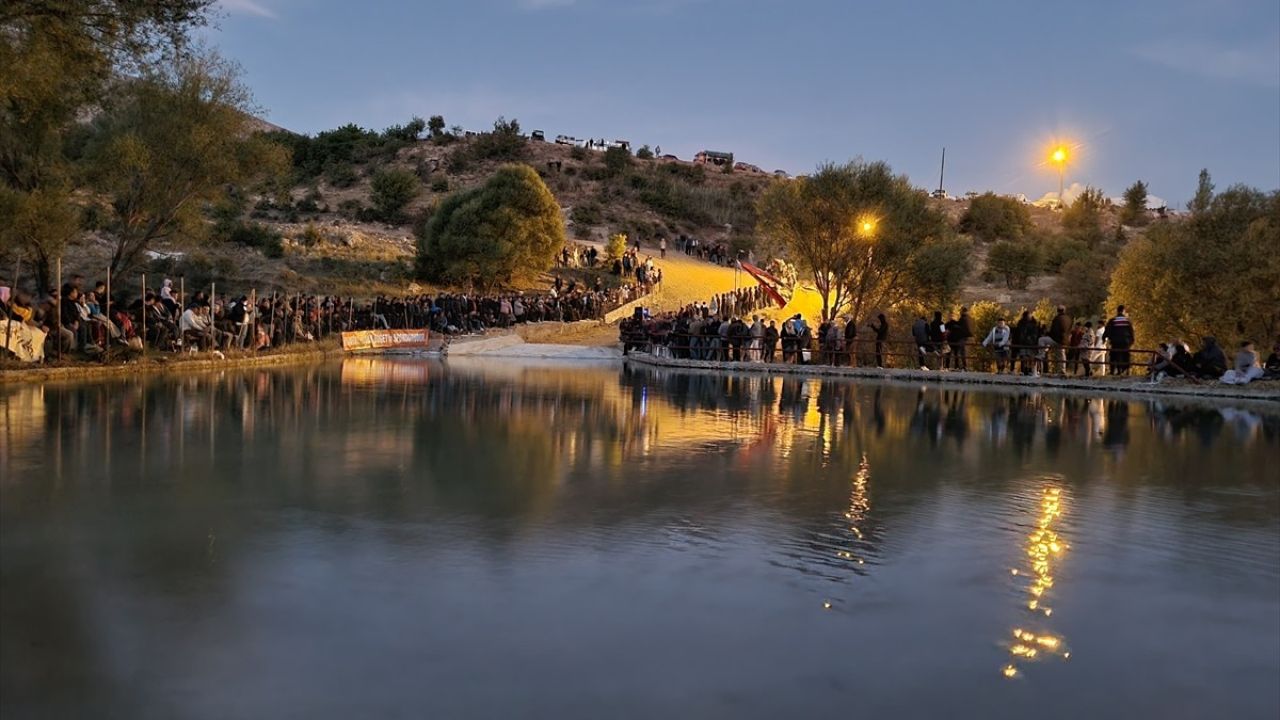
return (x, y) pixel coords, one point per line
(942, 172)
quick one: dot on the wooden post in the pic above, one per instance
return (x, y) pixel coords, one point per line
(213, 305)
(13, 297)
(273, 319)
(142, 325)
(253, 341)
(106, 310)
(58, 310)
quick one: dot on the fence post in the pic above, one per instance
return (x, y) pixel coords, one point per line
(107, 313)
(58, 309)
(143, 315)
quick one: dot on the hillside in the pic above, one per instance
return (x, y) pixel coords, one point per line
(329, 241)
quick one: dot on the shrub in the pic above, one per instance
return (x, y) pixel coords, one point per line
(578, 153)
(995, 217)
(692, 174)
(617, 160)
(644, 153)
(341, 175)
(350, 208)
(391, 190)
(1082, 220)
(504, 143)
(1014, 261)
(440, 184)
(1058, 250)
(586, 213)
(257, 235)
(616, 247)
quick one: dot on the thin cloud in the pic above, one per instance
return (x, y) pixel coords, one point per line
(1257, 64)
(247, 7)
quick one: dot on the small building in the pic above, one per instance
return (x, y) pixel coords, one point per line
(714, 157)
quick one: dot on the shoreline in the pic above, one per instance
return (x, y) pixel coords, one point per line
(1136, 388)
(160, 365)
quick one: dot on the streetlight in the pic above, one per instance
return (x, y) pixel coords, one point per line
(867, 225)
(1059, 157)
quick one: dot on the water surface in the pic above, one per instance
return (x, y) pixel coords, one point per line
(381, 538)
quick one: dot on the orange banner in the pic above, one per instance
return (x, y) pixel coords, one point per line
(384, 339)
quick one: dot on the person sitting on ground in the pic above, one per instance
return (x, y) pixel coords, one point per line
(197, 329)
(1159, 366)
(1210, 362)
(1271, 367)
(999, 340)
(1246, 367)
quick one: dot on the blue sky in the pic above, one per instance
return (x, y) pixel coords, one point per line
(1149, 90)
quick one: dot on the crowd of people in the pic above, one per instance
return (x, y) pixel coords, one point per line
(725, 329)
(76, 320)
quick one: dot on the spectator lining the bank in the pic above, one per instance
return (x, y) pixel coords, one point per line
(1118, 334)
(999, 341)
(1246, 367)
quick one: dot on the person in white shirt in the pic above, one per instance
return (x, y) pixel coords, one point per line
(999, 340)
(197, 328)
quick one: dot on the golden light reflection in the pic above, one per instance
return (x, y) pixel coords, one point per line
(859, 505)
(1044, 549)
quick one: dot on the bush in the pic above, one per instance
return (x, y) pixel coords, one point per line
(617, 160)
(644, 153)
(1082, 220)
(391, 190)
(341, 175)
(616, 247)
(1058, 250)
(1014, 261)
(350, 208)
(310, 203)
(257, 235)
(1082, 286)
(578, 153)
(993, 217)
(504, 143)
(692, 174)
(587, 213)
(440, 184)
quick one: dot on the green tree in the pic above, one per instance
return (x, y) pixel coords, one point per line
(391, 190)
(644, 153)
(1134, 212)
(435, 126)
(1015, 261)
(58, 60)
(1215, 273)
(509, 227)
(406, 133)
(1082, 220)
(857, 230)
(993, 217)
(617, 160)
(1082, 285)
(1204, 193)
(173, 143)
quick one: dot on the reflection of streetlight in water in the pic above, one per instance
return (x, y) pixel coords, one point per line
(1044, 548)
(859, 504)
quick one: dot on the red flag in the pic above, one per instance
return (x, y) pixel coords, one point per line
(764, 279)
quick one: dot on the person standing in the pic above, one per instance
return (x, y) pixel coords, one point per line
(920, 334)
(1118, 333)
(882, 334)
(937, 336)
(662, 248)
(999, 340)
(1060, 333)
(850, 341)
(959, 336)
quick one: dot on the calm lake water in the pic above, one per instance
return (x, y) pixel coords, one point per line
(406, 539)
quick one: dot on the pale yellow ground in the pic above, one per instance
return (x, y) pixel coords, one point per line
(684, 280)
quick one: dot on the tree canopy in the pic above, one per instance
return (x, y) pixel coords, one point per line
(993, 217)
(61, 57)
(1134, 212)
(1217, 273)
(391, 190)
(864, 235)
(508, 228)
(172, 142)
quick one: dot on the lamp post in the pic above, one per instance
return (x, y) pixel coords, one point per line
(1059, 157)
